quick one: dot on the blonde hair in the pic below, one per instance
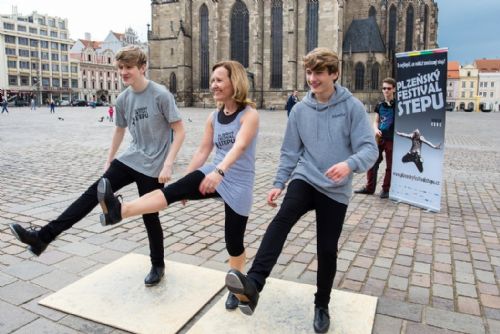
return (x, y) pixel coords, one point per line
(239, 80)
(321, 59)
(132, 56)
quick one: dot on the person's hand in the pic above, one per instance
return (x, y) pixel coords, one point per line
(210, 183)
(165, 174)
(272, 196)
(378, 133)
(338, 171)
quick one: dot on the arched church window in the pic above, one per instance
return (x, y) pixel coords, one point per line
(239, 33)
(173, 83)
(204, 48)
(276, 43)
(372, 12)
(359, 76)
(392, 29)
(312, 24)
(426, 23)
(409, 29)
(375, 76)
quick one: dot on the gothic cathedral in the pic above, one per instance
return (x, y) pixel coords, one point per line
(270, 37)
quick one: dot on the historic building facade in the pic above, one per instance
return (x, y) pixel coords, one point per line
(269, 38)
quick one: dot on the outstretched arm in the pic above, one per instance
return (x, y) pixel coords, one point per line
(406, 135)
(423, 140)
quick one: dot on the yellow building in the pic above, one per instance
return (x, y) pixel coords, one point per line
(468, 98)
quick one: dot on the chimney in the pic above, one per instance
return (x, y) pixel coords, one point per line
(88, 36)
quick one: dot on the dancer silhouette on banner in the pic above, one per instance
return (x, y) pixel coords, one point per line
(414, 154)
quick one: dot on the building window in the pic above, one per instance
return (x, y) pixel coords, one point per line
(375, 76)
(65, 83)
(10, 51)
(372, 12)
(204, 48)
(24, 65)
(34, 66)
(463, 94)
(64, 57)
(25, 81)
(45, 82)
(359, 76)
(33, 30)
(62, 25)
(491, 94)
(239, 33)
(426, 23)
(52, 23)
(64, 35)
(45, 55)
(45, 67)
(34, 54)
(13, 80)
(312, 25)
(10, 39)
(54, 46)
(492, 84)
(109, 85)
(74, 83)
(84, 84)
(64, 47)
(21, 28)
(173, 83)
(55, 67)
(11, 64)
(24, 53)
(409, 29)
(55, 56)
(8, 26)
(392, 29)
(43, 32)
(44, 44)
(55, 82)
(64, 68)
(89, 58)
(74, 69)
(472, 84)
(33, 43)
(22, 41)
(470, 94)
(277, 44)
(463, 84)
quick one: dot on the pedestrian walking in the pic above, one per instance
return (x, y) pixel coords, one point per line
(110, 113)
(52, 106)
(320, 174)
(5, 106)
(33, 104)
(232, 130)
(148, 110)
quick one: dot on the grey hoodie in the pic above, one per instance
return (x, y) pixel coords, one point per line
(319, 136)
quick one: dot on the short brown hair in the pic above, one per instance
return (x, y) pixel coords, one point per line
(390, 81)
(321, 59)
(239, 81)
(132, 56)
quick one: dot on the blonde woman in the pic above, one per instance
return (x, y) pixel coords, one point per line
(232, 130)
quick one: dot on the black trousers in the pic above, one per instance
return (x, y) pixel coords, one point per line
(300, 198)
(235, 224)
(119, 175)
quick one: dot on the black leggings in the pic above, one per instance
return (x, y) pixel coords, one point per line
(235, 224)
(119, 175)
(300, 198)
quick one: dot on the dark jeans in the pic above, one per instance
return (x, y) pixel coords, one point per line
(300, 198)
(371, 176)
(119, 175)
(235, 224)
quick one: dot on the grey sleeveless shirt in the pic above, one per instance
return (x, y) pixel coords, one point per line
(236, 187)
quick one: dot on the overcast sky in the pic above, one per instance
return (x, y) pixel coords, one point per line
(470, 29)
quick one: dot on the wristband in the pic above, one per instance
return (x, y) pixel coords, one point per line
(219, 171)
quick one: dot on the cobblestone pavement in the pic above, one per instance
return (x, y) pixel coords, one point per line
(432, 272)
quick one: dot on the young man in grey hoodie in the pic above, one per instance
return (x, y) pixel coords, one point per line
(328, 137)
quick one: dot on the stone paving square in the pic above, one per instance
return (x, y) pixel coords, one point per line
(115, 295)
(287, 307)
